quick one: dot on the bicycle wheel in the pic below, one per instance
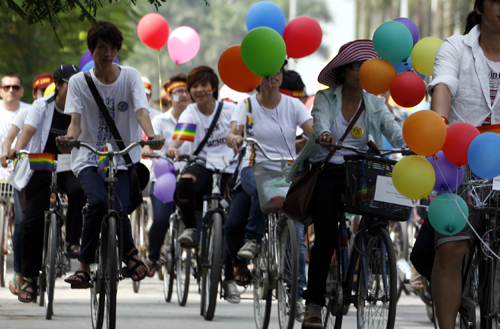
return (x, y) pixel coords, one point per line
(3, 244)
(211, 266)
(167, 252)
(287, 266)
(398, 231)
(493, 321)
(182, 266)
(111, 273)
(51, 265)
(334, 310)
(262, 289)
(135, 222)
(42, 279)
(470, 311)
(97, 292)
(377, 282)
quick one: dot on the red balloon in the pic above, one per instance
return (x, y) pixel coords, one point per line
(302, 36)
(310, 102)
(234, 73)
(407, 89)
(153, 30)
(458, 138)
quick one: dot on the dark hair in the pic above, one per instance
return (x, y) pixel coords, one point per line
(339, 73)
(474, 18)
(178, 77)
(203, 74)
(14, 75)
(107, 32)
(292, 81)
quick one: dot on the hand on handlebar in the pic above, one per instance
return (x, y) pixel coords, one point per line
(173, 153)
(326, 139)
(234, 143)
(159, 145)
(62, 143)
(3, 160)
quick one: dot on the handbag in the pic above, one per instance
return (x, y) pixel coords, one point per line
(138, 172)
(299, 196)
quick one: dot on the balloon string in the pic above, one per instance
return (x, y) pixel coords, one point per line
(178, 67)
(159, 80)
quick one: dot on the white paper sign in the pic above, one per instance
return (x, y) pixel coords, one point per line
(63, 162)
(496, 183)
(386, 192)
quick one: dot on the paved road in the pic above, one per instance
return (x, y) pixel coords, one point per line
(148, 309)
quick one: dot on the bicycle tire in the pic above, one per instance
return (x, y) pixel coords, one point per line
(493, 321)
(211, 272)
(51, 265)
(97, 291)
(398, 231)
(334, 310)
(470, 312)
(42, 279)
(182, 267)
(111, 273)
(136, 236)
(262, 288)
(167, 267)
(3, 242)
(374, 304)
(287, 258)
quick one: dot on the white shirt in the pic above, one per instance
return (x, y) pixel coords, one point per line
(6, 118)
(123, 98)
(461, 65)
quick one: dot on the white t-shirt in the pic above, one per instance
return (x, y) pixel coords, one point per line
(123, 98)
(6, 118)
(274, 129)
(217, 141)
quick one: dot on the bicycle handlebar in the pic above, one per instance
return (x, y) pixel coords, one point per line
(340, 145)
(78, 144)
(256, 143)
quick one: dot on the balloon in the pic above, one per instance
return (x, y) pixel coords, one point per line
(183, 44)
(424, 54)
(376, 75)
(401, 66)
(266, 14)
(234, 73)
(448, 213)
(153, 30)
(407, 89)
(413, 177)
(458, 138)
(165, 187)
(483, 155)
(163, 166)
(89, 66)
(302, 36)
(310, 102)
(49, 90)
(86, 57)
(393, 41)
(424, 132)
(448, 175)
(411, 26)
(263, 51)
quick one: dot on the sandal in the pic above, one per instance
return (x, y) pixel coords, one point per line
(242, 275)
(73, 250)
(152, 267)
(14, 285)
(128, 272)
(31, 294)
(83, 283)
(417, 280)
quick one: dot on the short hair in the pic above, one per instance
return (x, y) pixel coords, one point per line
(14, 75)
(107, 32)
(292, 81)
(203, 74)
(178, 77)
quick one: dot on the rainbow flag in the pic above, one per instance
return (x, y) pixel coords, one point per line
(42, 161)
(489, 129)
(289, 163)
(103, 164)
(184, 132)
(210, 92)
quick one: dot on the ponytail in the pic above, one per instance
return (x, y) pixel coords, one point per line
(472, 20)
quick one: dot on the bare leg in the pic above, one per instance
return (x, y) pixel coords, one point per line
(447, 281)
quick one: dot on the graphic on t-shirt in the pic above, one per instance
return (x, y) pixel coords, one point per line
(123, 106)
(103, 132)
(215, 142)
(185, 132)
(494, 83)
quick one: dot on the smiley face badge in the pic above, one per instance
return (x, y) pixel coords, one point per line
(357, 132)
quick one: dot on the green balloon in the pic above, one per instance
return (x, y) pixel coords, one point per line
(263, 51)
(393, 41)
(448, 213)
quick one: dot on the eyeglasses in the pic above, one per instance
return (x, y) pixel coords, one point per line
(16, 88)
(356, 66)
(180, 91)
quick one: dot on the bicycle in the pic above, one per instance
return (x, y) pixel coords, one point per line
(6, 225)
(107, 271)
(138, 221)
(275, 267)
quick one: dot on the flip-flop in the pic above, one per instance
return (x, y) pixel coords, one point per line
(417, 282)
(84, 282)
(31, 294)
(73, 251)
(128, 272)
(152, 267)
(242, 272)
(14, 284)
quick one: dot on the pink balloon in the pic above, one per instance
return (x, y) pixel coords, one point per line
(165, 187)
(183, 44)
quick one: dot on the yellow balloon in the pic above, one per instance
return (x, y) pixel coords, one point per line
(414, 177)
(424, 54)
(50, 90)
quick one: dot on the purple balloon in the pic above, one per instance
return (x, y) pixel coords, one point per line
(163, 166)
(165, 187)
(411, 26)
(87, 57)
(448, 175)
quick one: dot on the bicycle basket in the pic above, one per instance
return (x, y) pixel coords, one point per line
(361, 181)
(479, 194)
(271, 185)
(6, 190)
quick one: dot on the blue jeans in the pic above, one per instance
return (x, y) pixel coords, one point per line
(97, 195)
(257, 220)
(161, 219)
(16, 238)
(237, 220)
(300, 229)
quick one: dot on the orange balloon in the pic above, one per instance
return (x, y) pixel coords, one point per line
(234, 73)
(376, 75)
(424, 132)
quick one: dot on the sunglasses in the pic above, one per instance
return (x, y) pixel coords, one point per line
(14, 87)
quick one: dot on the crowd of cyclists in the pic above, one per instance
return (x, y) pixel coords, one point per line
(466, 69)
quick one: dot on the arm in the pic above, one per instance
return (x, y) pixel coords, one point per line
(441, 100)
(145, 122)
(321, 118)
(173, 149)
(74, 131)
(307, 127)
(25, 137)
(7, 144)
(234, 138)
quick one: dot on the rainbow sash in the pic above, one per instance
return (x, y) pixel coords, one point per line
(489, 129)
(102, 168)
(42, 161)
(185, 132)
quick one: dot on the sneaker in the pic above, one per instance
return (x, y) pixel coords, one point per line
(231, 293)
(188, 237)
(249, 250)
(299, 310)
(312, 317)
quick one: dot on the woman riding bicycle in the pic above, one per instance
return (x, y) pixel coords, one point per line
(332, 112)
(122, 90)
(464, 89)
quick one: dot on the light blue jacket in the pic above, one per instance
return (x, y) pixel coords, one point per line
(327, 105)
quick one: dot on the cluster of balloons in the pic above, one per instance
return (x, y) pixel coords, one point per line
(164, 189)
(87, 62)
(404, 63)
(183, 43)
(263, 50)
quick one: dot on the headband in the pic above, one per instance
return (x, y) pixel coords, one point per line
(174, 85)
(148, 86)
(293, 93)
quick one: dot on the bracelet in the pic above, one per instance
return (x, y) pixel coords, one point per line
(445, 119)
